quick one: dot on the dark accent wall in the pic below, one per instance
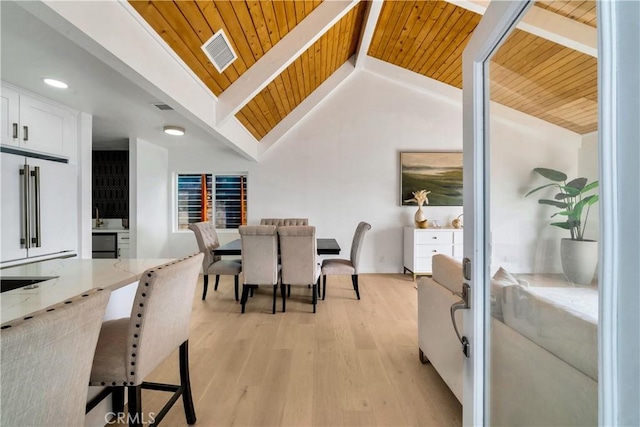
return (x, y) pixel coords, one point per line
(111, 184)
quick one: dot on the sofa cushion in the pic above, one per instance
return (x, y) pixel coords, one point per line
(448, 272)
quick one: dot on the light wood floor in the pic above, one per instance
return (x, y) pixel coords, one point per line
(354, 363)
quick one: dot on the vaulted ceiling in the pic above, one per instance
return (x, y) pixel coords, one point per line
(529, 73)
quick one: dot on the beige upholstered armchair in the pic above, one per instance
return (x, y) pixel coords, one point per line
(207, 239)
(299, 259)
(346, 266)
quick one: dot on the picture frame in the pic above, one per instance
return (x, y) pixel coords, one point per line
(439, 172)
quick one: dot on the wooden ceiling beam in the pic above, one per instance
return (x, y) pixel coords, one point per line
(278, 58)
(371, 20)
(548, 25)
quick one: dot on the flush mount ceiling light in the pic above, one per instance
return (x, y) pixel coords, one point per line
(174, 130)
(55, 83)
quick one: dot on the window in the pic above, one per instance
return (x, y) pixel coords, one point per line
(198, 199)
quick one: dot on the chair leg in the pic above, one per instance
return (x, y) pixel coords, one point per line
(117, 400)
(284, 299)
(206, 286)
(135, 406)
(236, 282)
(251, 291)
(275, 296)
(315, 297)
(288, 291)
(185, 382)
(215, 288)
(324, 286)
(245, 295)
(354, 279)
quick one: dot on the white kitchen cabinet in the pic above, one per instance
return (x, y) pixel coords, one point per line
(35, 124)
(420, 245)
(123, 245)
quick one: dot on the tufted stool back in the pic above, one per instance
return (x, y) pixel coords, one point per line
(46, 362)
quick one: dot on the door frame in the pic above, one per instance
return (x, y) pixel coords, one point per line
(495, 26)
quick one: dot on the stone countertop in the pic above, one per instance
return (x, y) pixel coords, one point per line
(110, 230)
(75, 276)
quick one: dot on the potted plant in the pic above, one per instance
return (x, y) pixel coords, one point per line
(579, 255)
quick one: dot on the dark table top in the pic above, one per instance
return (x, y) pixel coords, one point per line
(325, 247)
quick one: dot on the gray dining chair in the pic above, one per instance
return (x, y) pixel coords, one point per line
(299, 259)
(129, 349)
(207, 239)
(295, 221)
(46, 362)
(259, 259)
(336, 266)
(272, 221)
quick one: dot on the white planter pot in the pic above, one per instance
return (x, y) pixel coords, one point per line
(579, 260)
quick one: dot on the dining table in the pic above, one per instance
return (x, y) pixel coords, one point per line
(326, 246)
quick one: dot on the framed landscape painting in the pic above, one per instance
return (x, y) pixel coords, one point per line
(437, 171)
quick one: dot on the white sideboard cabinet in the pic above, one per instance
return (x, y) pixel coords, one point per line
(420, 245)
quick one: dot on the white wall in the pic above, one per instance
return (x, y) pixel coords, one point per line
(340, 164)
(588, 168)
(149, 200)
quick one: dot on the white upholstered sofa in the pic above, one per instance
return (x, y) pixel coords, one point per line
(543, 346)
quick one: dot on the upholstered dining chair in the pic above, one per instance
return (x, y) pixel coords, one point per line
(299, 259)
(295, 221)
(46, 362)
(272, 221)
(130, 348)
(259, 259)
(337, 266)
(207, 239)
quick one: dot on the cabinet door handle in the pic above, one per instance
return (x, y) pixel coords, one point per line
(15, 131)
(36, 187)
(26, 207)
(434, 250)
(25, 133)
(119, 252)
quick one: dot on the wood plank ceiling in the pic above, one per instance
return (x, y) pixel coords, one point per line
(530, 74)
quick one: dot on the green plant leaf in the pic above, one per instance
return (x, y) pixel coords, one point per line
(561, 205)
(591, 186)
(592, 199)
(551, 174)
(572, 192)
(539, 188)
(562, 196)
(564, 225)
(577, 183)
(563, 213)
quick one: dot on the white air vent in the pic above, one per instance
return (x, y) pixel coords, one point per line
(219, 51)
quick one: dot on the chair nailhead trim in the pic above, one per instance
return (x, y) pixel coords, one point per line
(132, 373)
(6, 327)
(113, 383)
(133, 363)
(139, 315)
(102, 383)
(68, 302)
(131, 383)
(28, 317)
(51, 309)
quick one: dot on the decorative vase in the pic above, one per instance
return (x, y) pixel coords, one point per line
(420, 219)
(579, 260)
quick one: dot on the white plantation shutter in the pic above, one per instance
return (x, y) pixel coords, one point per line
(195, 203)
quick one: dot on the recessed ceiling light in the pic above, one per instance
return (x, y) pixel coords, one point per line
(174, 130)
(55, 83)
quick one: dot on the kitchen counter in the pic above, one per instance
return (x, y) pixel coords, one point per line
(109, 230)
(75, 277)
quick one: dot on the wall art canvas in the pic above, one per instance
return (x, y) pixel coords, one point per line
(438, 171)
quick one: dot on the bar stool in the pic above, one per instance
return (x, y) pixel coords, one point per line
(46, 362)
(132, 347)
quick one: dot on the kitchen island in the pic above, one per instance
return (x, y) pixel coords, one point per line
(73, 277)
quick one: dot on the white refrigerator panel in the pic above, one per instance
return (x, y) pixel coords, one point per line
(11, 208)
(57, 227)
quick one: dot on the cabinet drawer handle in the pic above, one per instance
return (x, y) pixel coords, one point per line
(25, 135)
(434, 250)
(435, 237)
(15, 131)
